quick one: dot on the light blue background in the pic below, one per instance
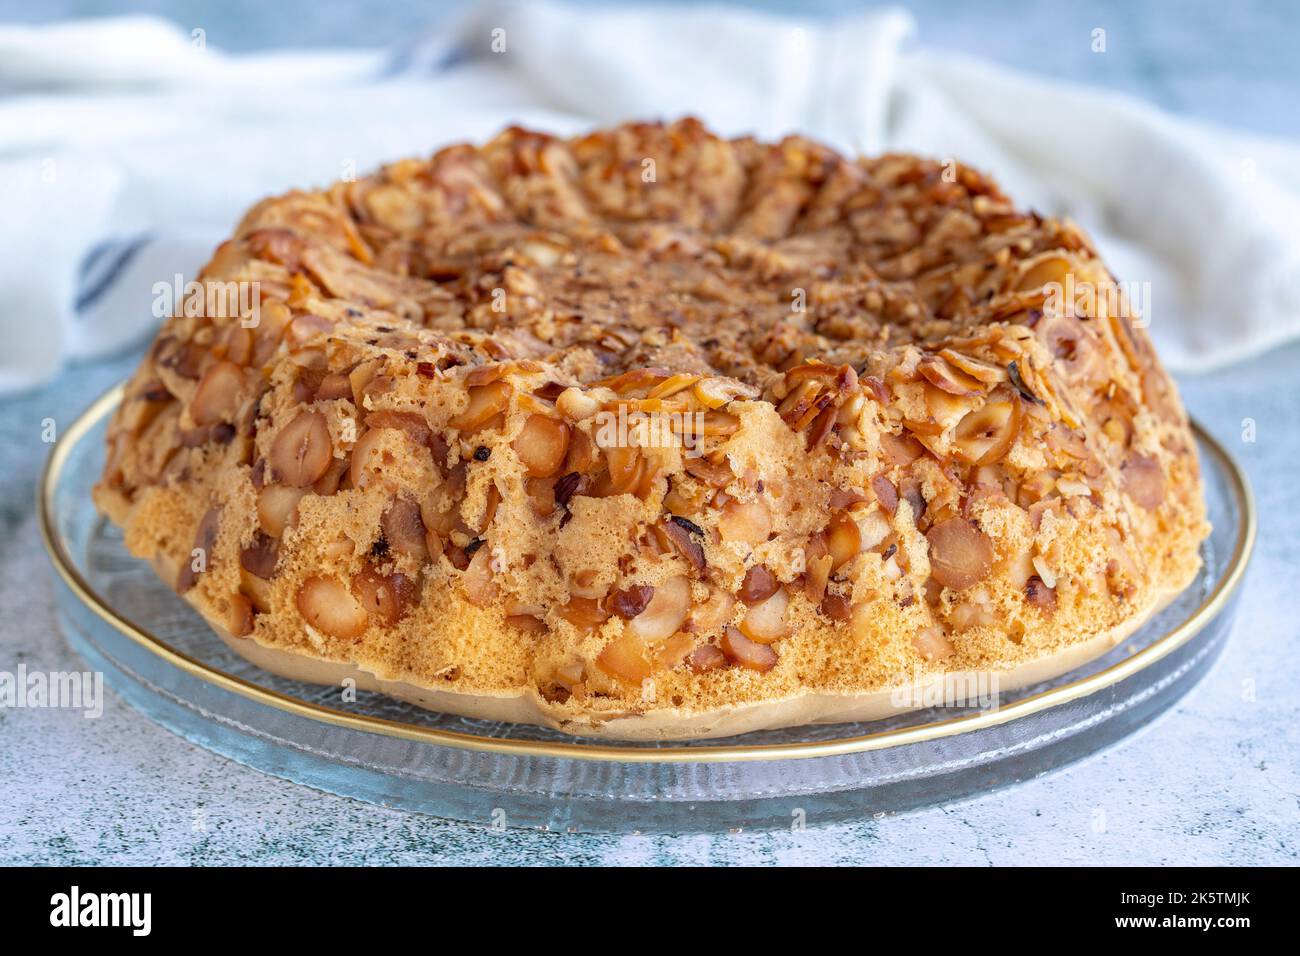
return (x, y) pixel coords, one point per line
(1215, 781)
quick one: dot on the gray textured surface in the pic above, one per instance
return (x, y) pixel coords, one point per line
(1217, 780)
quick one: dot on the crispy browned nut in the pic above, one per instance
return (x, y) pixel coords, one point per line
(765, 621)
(239, 617)
(327, 605)
(714, 474)
(836, 607)
(216, 398)
(685, 536)
(478, 579)
(630, 601)
(749, 522)
(277, 508)
(1143, 481)
(885, 493)
(261, 556)
(986, 435)
(948, 378)
(705, 658)
(542, 445)
(1040, 595)
(665, 612)
(583, 613)
(625, 658)
(301, 452)
(200, 559)
(743, 652)
(386, 597)
(960, 554)
(843, 539)
(404, 530)
(759, 584)
(485, 403)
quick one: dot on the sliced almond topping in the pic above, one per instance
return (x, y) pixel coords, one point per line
(541, 495)
(743, 652)
(303, 328)
(626, 468)
(960, 554)
(529, 623)
(328, 606)
(333, 479)
(946, 378)
(301, 452)
(986, 435)
(1072, 488)
(714, 474)
(717, 392)
(1017, 569)
(885, 493)
(257, 590)
(973, 613)
(816, 577)
(239, 344)
(360, 377)
(410, 424)
(673, 651)
(873, 527)
(672, 385)
(1053, 269)
(333, 386)
(900, 449)
(981, 371)
(484, 375)
(943, 408)
(712, 423)
(205, 539)
(845, 497)
(582, 457)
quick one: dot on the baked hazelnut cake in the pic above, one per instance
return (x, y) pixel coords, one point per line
(652, 434)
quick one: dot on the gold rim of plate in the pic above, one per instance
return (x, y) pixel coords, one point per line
(579, 750)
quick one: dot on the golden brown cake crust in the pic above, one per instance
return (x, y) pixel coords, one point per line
(650, 433)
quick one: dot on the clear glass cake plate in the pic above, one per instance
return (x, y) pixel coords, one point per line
(157, 654)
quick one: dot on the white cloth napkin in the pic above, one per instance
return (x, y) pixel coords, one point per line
(129, 149)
